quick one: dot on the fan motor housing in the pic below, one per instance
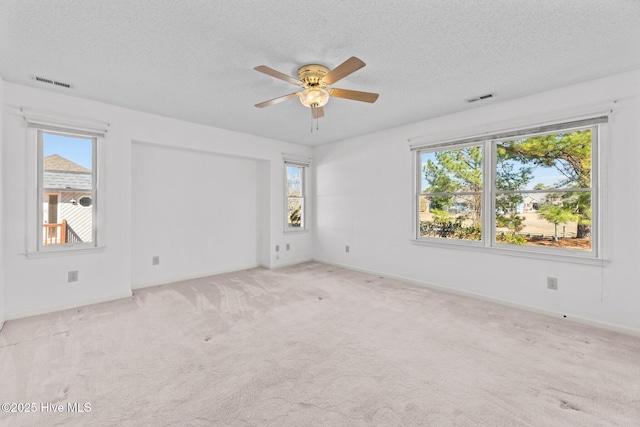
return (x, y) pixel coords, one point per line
(311, 74)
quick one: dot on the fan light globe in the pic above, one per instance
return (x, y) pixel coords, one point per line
(314, 97)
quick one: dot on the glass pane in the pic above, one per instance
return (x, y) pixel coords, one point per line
(294, 211)
(294, 181)
(67, 179)
(452, 171)
(561, 160)
(560, 219)
(451, 217)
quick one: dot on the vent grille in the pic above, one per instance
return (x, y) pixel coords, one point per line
(51, 82)
(479, 98)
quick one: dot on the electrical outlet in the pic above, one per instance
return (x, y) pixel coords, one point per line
(552, 283)
(72, 276)
(287, 247)
(346, 249)
(155, 260)
(277, 248)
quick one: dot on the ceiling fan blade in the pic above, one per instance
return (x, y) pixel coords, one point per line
(277, 100)
(354, 94)
(277, 74)
(317, 112)
(343, 70)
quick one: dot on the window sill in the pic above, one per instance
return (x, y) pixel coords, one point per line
(521, 253)
(64, 252)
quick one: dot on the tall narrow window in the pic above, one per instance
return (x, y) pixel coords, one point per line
(66, 181)
(295, 196)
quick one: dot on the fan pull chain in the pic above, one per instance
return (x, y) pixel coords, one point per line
(316, 117)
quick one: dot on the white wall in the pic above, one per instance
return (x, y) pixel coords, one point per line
(363, 199)
(197, 211)
(2, 204)
(39, 285)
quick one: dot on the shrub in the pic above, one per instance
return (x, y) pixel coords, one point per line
(450, 229)
(513, 239)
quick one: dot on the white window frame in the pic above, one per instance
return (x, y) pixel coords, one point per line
(304, 166)
(35, 245)
(488, 243)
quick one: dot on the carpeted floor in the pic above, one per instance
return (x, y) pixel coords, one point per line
(313, 345)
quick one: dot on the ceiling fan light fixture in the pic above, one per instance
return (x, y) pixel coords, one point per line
(315, 79)
(314, 97)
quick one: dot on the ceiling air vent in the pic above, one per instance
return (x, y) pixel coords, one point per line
(51, 82)
(479, 98)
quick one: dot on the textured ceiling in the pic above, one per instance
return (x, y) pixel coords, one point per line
(194, 59)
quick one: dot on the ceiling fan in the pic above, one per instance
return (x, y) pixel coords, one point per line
(316, 79)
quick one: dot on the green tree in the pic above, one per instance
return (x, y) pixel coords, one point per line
(557, 214)
(456, 171)
(508, 178)
(570, 154)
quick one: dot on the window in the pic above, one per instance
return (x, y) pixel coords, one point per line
(66, 197)
(295, 196)
(450, 201)
(529, 190)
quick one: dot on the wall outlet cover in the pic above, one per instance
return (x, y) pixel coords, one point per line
(72, 276)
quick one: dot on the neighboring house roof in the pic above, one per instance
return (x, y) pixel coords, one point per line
(61, 173)
(58, 163)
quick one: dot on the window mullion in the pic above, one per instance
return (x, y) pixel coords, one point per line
(488, 203)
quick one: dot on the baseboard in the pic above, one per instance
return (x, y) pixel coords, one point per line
(194, 276)
(290, 263)
(577, 319)
(128, 294)
(60, 307)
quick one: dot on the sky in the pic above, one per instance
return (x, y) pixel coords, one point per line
(78, 150)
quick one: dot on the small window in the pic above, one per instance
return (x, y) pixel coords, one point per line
(295, 196)
(66, 189)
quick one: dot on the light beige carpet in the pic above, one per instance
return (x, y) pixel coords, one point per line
(314, 345)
